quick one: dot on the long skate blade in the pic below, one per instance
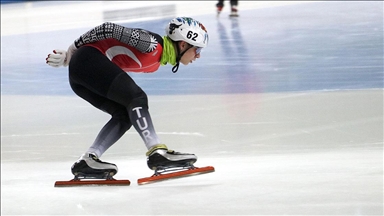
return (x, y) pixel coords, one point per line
(84, 182)
(179, 174)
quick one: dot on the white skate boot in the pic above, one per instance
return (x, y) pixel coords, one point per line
(234, 12)
(89, 166)
(160, 158)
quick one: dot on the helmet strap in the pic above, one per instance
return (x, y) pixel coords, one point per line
(176, 67)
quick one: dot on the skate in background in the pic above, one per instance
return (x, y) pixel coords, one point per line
(233, 3)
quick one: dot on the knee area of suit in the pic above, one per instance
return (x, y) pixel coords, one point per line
(140, 101)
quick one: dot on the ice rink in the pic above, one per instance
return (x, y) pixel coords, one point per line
(286, 103)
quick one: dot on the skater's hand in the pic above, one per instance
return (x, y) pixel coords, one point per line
(57, 58)
(60, 57)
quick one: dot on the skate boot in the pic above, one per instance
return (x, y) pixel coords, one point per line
(89, 166)
(234, 12)
(160, 158)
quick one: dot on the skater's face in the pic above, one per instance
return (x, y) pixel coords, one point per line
(191, 54)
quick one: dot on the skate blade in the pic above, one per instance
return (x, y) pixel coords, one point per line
(104, 175)
(177, 174)
(89, 182)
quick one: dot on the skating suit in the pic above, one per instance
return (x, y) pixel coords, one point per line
(98, 74)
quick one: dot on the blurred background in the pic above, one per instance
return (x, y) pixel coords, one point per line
(286, 102)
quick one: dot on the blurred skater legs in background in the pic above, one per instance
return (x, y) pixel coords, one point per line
(233, 3)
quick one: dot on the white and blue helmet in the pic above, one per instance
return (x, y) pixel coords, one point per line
(188, 30)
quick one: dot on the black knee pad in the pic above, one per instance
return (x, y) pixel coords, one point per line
(139, 100)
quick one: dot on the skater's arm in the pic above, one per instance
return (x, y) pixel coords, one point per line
(142, 40)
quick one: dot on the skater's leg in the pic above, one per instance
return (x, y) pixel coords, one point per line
(219, 6)
(89, 166)
(136, 102)
(90, 76)
(97, 73)
(220, 3)
(115, 127)
(234, 2)
(109, 135)
(234, 12)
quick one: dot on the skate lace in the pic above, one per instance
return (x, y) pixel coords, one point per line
(176, 153)
(98, 160)
(95, 158)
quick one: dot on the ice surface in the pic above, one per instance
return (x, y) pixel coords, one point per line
(286, 103)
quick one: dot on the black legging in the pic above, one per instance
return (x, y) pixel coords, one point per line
(102, 83)
(99, 81)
